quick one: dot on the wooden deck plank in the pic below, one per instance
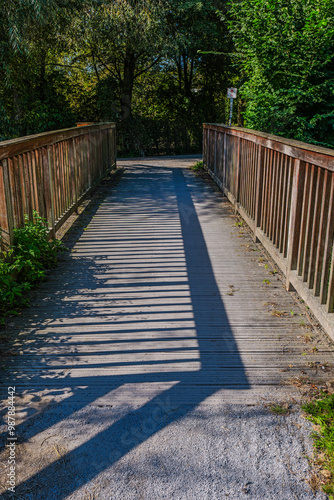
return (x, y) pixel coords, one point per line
(164, 286)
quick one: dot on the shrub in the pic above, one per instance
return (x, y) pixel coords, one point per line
(24, 264)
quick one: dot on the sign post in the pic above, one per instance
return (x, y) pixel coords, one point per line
(231, 94)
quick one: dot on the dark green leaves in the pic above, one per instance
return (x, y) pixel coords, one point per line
(285, 49)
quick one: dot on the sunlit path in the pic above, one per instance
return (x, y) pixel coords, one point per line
(158, 322)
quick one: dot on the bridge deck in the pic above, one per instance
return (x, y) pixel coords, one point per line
(163, 302)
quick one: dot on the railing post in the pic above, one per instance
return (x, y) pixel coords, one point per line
(75, 168)
(237, 170)
(224, 159)
(115, 144)
(208, 148)
(7, 219)
(215, 160)
(50, 171)
(330, 293)
(87, 155)
(259, 187)
(111, 147)
(295, 217)
(204, 146)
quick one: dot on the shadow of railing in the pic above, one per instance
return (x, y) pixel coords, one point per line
(199, 355)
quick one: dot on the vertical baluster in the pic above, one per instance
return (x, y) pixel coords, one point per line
(309, 222)
(279, 196)
(328, 247)
(89, 167)
(303, 226)
(315, 228)
(62, 176)
(6, 207)
(247, 157)
(224, 159)
(75, 174)
(265, 190)
(269, 197)
(273, 196)
(295, 213)
(324, 220)
(49, 168)
(259, 186)
(284, 201)
(56, 206)
(236, 152)
(253, 183)
(287, 206)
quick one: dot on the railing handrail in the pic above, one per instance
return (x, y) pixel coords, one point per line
(311, 153)
(26, 143)
(51, 173)
(284, 190)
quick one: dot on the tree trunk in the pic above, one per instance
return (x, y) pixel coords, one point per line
(127, 85)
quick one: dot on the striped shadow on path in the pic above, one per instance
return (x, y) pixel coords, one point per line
(158, 310)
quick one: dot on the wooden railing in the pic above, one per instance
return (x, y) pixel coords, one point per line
(51, 173)
(284, 190)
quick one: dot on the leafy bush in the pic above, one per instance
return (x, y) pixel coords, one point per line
(11, 292)
(33, 252)
(321, 413)
(198, 167)
(24, 264)
(284, 49)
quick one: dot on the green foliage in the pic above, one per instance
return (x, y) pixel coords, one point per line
(11, 291)
(198, 167)
(321, 413)
(158, 68)
(121, 40)
(33, 252)
(285, 50)
(24, 264)
(34, 35)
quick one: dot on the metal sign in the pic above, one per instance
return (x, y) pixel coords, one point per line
(232, 93)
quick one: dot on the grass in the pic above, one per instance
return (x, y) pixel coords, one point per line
(321, 413)
(198, 167)
(279, 408)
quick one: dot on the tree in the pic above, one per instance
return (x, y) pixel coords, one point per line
(144, 63)
(285, 49)
(188, 86)
(122, 39)
(196, 27)
(32, 39)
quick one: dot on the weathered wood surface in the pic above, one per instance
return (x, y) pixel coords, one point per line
(163, 288)
(159, 325)
(51, 173)
(284, 191)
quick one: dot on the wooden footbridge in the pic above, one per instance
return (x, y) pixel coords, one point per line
(167, 301)
(283, 189)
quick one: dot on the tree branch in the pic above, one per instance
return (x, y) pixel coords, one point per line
(148, 67)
